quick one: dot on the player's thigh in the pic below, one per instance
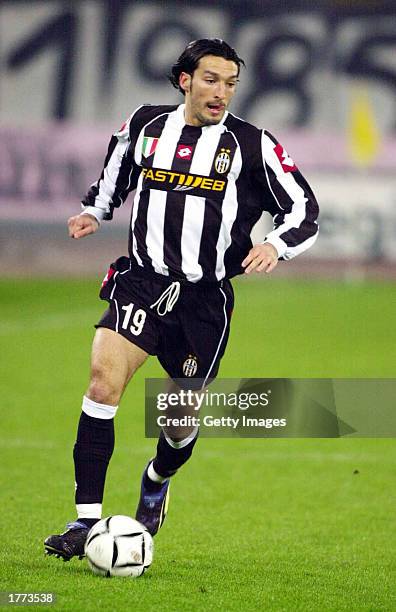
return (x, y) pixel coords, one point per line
(114, 360)
(192, 347)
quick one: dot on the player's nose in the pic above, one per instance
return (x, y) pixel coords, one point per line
(220, 90)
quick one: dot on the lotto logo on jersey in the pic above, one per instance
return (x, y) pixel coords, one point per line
(184, 152)
(286, 161)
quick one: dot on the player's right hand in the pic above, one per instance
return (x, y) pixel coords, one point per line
(82, 225)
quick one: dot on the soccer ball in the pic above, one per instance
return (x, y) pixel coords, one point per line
(119, 546)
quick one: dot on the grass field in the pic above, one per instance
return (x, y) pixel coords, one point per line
(253, 524)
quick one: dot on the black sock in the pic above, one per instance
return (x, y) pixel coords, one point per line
(168, 459)
(92, 453)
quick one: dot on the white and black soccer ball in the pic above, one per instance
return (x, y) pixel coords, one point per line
(119, 546)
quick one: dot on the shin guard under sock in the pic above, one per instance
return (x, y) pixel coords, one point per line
(172, 455)
(92, 453)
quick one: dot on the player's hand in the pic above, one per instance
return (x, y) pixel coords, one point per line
(82, 225)
(261, 258)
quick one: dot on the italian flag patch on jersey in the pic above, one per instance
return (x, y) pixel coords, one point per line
(149, 146)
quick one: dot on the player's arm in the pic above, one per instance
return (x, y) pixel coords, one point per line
(82, 225)
(118, 178)
(261, 258)
(292, 204)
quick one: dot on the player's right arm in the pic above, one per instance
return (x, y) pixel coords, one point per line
(118, 178)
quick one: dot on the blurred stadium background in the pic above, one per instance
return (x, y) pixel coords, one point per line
(322, 79)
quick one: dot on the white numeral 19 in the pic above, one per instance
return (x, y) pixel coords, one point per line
(138, 319)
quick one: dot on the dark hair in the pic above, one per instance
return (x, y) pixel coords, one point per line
(197, 49)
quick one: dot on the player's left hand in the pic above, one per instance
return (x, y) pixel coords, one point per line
(261, 258)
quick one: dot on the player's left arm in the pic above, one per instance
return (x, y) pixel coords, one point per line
(261, 258)
(292, 204)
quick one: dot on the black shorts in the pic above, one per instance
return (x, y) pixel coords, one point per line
(190, 340)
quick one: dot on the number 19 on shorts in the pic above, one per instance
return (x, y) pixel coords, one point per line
(138, 319)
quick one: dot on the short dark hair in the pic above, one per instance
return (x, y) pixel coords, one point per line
(196, 50)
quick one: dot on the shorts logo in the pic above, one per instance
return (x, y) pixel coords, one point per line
(184, 152)
(108, 276)
(286, 161)
(190, 366)
(222, 161)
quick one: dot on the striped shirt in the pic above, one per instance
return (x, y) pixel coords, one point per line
(199, 191)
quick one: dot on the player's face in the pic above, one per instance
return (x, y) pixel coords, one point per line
(209, 90)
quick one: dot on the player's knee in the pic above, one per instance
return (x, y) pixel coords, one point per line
(179, 434)
(102, 389)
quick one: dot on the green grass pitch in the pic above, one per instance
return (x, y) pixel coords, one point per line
(253, 524)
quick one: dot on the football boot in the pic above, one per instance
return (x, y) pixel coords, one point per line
(68, 544)
(153, 504)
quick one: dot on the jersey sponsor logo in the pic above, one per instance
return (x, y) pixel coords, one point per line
(286, 161)
(190, 366)
(184, 152)
(149, 145)
(222, 161)
(180, 181)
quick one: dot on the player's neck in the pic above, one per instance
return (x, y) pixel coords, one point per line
(190, 119)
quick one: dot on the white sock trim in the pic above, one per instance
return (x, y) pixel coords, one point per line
(152, 474)
(98, 411)
(90, 511)
(184, 442)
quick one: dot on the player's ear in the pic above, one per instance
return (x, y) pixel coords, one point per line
(185, 81)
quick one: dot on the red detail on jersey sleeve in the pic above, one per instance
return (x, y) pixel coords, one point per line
(286, 161)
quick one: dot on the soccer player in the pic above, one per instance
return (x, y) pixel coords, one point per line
(202, 178)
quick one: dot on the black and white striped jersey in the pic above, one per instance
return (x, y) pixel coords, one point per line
(199, 192)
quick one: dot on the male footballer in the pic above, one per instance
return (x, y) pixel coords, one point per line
(202, 178)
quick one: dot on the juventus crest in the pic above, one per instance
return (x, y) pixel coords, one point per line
(222, 161)
(190, 366)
